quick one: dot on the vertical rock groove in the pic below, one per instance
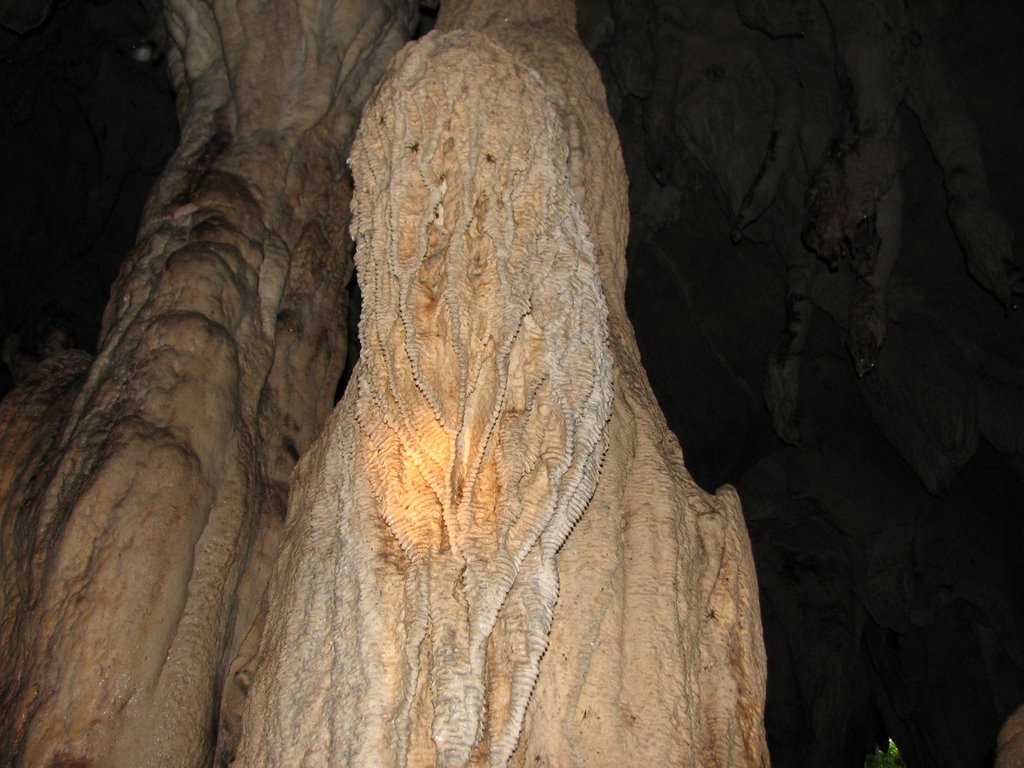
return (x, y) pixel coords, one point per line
(485, 379)
(136, 549)
(494, 554)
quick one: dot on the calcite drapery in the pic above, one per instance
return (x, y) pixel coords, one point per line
(383, 597)
(484, 384)
(142, 493)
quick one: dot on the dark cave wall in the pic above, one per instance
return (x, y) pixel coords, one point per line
(888, 610)
(88, 122)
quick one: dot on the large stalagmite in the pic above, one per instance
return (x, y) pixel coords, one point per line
(457, 583)
(142, 492)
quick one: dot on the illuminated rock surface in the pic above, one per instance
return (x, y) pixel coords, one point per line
(888, 609)
(418, 575)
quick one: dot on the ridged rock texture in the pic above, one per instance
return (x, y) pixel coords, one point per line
(457, 583)
(142, 492)
(885, 529)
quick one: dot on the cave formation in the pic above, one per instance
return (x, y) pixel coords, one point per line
(882, 495)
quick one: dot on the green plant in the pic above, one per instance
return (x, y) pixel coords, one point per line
(890, 758)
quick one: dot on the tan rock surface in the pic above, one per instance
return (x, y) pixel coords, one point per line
(414, 592)
(1010, 743)
(135, 555)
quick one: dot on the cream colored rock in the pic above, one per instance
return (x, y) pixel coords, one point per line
(656, 654)
(430, 605)
(463, 581)
(473, 428)
(142, 495)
